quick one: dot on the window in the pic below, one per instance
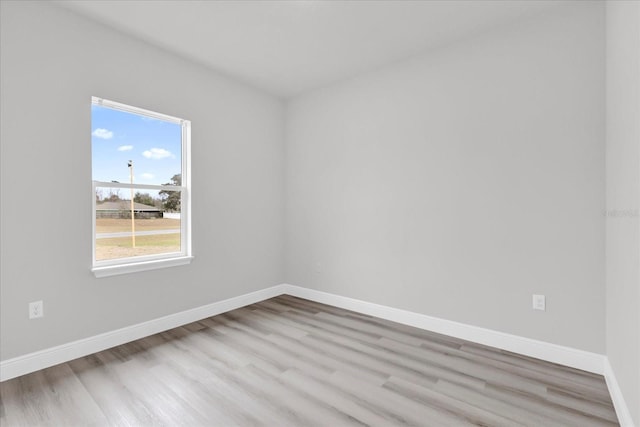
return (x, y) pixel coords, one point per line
(141, 198)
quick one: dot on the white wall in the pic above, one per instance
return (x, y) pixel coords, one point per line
(52, 62)
(623, 198)
(461, 182)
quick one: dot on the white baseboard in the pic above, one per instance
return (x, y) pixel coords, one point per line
(31, 362)
(567, 356)
(622, 410)
(587, 361)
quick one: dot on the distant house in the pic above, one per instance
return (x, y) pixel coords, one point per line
(122, 209)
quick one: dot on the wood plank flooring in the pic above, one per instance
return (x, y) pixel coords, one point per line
(292, 362)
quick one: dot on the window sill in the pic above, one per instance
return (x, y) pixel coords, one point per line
(113, 270)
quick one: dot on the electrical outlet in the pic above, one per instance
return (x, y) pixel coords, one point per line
(539, 303)
(36, 309)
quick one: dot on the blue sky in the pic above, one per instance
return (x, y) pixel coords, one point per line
(118, 136)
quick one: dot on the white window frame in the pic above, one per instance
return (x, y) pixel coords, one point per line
(149, 262)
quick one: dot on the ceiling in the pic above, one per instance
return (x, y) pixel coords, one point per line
(288, 47)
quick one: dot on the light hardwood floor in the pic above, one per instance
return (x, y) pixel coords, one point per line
(292, 362)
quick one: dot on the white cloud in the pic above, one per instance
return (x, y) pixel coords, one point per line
(125, 148)
(102, 133)
(148, 175)
(157, 153)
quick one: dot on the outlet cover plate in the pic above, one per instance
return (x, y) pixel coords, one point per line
(539, 302)
(36, 309)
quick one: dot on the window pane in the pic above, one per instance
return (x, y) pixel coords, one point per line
(154, 230)
(133, 147)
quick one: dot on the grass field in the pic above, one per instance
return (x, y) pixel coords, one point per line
(121, 247)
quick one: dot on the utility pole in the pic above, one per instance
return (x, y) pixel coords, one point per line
(133, 216)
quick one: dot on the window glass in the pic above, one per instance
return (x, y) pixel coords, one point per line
(140, 185)
(154, 146)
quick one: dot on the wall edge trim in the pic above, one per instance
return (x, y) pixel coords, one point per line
(619, 404)
(568, 356)
(45, 358)
(580, 359)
